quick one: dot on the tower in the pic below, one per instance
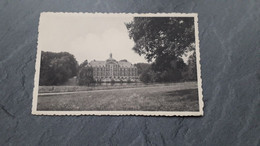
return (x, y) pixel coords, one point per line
(110, 55)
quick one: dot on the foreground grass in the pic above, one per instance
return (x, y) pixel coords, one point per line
(164, 98)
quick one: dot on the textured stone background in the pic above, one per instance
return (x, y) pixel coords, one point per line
(229, 43)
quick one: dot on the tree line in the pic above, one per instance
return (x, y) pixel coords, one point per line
(58, 68)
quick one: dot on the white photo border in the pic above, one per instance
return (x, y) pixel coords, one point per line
(118, 113)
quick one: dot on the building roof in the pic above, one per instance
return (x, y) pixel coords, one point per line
(125, 64)
(95, 63)
(121, 63)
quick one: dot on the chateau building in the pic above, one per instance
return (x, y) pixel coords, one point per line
(112, 70)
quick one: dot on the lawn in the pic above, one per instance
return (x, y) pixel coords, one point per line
(161, 98)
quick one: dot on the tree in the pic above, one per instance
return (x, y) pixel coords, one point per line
(85, 76)
(192, 68)
(141, 67)
(163, 40)
(83, 64)
(158, 36)
(145, 76)
(57, 68)
(148, 76)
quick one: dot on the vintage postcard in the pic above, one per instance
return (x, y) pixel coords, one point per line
(118, 64)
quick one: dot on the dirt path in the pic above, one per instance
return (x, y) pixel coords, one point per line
(174, 87)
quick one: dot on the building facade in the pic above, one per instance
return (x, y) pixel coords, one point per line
(112, 70)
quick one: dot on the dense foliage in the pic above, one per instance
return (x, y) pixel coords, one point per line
(85, 76)
(164, 41)
(162, 36)
(141, 67)
(185, 72)
(57, 68)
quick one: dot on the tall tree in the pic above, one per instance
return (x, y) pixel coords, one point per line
(158, 36)
(163, 40)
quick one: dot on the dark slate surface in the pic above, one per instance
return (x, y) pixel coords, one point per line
(229, 43)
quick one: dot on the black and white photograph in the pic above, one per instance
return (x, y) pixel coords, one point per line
(118, 64)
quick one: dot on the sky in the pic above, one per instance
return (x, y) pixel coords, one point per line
(87, 37)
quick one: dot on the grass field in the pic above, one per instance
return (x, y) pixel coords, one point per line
(179, 97)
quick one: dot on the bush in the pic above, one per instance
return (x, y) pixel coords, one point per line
(129, 81)
(113, 82)
(147, 76)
